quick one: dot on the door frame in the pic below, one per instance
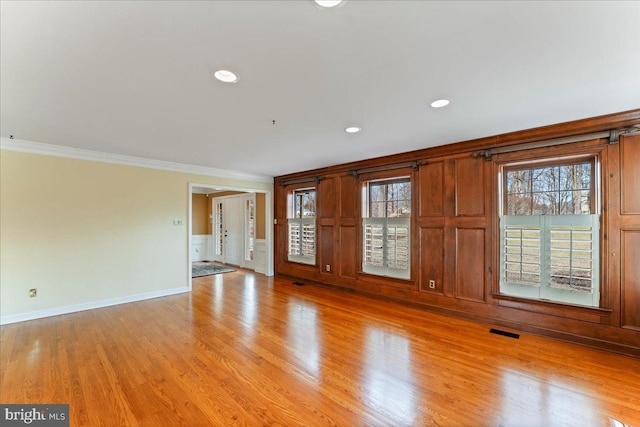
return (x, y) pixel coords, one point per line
(243, 198)
(268, 268)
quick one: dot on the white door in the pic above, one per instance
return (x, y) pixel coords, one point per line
(232, 221)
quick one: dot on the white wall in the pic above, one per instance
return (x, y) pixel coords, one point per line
(88, 234)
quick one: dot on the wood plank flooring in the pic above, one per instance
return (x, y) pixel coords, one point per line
(243, 349)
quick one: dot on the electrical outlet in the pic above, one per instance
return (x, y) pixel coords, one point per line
(328, 267)
(33, 292)
(432, 284)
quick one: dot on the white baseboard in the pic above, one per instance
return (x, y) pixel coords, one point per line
(14, 318)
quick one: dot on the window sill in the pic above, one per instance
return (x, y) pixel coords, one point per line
(299, 263)
(385, 280)
(553, 308)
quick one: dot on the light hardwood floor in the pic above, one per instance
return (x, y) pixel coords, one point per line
(243, 349)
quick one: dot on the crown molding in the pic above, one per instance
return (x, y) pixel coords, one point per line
(118, 159)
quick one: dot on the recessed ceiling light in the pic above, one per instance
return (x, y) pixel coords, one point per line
(328, 3)
(440, 103)
(226, 76)
(352, 129)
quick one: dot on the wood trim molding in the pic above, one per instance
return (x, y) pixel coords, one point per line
(559, 130)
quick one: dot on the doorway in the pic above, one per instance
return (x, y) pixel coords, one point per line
(229, 229)
(252, 246)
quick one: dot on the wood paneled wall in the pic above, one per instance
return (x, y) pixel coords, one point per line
(455, 235)
(629, 224)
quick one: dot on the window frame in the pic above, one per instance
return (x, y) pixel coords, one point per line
(218, 233)
(593, 151)
(570, 161)
(302, 222)
(249, 225)
(383, 272)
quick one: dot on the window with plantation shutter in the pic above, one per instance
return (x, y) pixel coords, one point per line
(386, 228)
(549, 233)
(302, 226)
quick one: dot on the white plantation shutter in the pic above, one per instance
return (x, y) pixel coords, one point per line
(308, 246)
(398, 245)
(302, 240)
(573, 246)
(520, 255)
(386, 249)
(295, 238)
(373, 230)
(553, 257)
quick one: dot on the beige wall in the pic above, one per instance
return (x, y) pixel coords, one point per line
(209, 216)
(200, 214)
(83, 232)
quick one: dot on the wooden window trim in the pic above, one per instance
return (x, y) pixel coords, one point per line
(289, 191)
(580, 151)
(362, 180)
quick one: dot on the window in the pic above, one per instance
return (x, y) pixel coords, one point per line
(386, 227)
(249, 227)
(549, 232)
(218, 228)
(302, 226)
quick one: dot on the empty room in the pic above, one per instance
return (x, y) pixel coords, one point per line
(320, 213)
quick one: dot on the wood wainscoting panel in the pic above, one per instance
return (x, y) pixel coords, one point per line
(347, 256)
(431, 185)
(327, 249)
(630, 231)
(470, 268)
(326, 201)
(280, 202)
(431, 259)
(630, 174)
(470, 185)
(280, 247)
(348, 197)
(631, 279)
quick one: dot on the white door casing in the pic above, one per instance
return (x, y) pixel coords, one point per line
(262, 251)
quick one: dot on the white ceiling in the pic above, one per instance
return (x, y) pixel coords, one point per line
(135, 77)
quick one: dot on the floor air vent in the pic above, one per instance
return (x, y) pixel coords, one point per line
(298, 283)
(505, 333)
